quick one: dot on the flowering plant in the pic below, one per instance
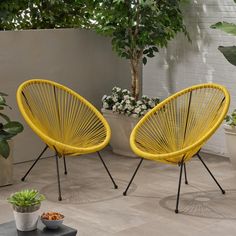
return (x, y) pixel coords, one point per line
(122, 102)
(231, 119)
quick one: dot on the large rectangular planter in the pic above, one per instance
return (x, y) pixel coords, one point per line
(121, 128)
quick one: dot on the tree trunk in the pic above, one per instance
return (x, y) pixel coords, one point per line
(135, 75)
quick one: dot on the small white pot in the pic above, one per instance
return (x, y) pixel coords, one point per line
(230, 135)
(26, 221)
(121, 127)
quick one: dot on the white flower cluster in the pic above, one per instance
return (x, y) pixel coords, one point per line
(122, 102)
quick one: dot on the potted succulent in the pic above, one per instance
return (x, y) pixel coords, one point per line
(138, 29)
(26, 204)
(8, 129)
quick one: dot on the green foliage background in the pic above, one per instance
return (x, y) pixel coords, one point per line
(229, 52)
(41, 14)
(138, 28)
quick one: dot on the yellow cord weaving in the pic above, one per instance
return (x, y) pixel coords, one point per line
(180, 125)
(64, 120)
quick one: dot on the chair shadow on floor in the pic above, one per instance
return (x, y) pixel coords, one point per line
(205, 204)
(86, 190)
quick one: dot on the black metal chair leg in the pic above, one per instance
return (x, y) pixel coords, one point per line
(125, 192)
(180, 179)
(58, 179)
(65, 168)
(115, 185)
(185, 174)
(40, 155)
(222, 190)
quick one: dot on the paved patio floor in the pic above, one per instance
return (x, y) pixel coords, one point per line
(95, 208)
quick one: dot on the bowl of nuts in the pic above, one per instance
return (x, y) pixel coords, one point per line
(52, 220)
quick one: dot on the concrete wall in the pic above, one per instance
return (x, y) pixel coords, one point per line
(79, 59)
(183, 64)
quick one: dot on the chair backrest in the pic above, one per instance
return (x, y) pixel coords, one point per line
(178, 127)
(61, 117)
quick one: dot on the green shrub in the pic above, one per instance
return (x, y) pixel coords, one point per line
(8, 128)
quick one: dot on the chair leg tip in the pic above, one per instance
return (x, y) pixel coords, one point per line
(65, 172)
(176, 211)
(116, 187)
(59, 198)
(186, 182)
(22, 179)
(124, 193)
(223, 191)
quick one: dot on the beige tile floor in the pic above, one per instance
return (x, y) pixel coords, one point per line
(91, 205)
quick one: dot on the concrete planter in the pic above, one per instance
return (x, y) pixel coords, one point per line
(230, 135)
(6, 168)
(121, 127)
(27, 219)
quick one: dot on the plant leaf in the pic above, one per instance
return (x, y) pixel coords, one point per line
(229, 28)
(144, 60)
(5, 117)
(229, 53)
(2, 101)
(5, 136)
(13, 127)
(3, 94)
(155, 49)
(4, 148)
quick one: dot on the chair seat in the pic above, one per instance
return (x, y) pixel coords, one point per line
(63, 119)
(180, 125)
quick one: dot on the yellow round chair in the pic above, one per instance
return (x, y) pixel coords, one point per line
(176, 129)
(64, 120)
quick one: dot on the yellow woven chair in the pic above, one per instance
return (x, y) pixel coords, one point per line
(65, 121)
(176, 129)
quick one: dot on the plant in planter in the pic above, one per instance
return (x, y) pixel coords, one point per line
(26, 204)
(138, 29)
(122, 102)
(229, 53)
(8, 129)
(230, 135)
(231, 119)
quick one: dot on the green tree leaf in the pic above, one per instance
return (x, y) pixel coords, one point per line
(229, 53)
(3, 94)
(229, 28)
(155, 49)
(144, 60)
(13, 127)
(4, 148)
(5, 117)
(5, 136)
(2, 101)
